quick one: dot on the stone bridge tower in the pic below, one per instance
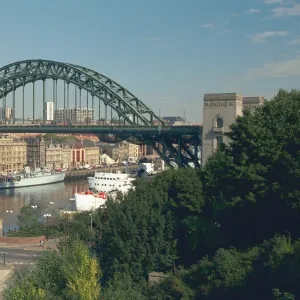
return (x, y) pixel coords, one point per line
(219, 112)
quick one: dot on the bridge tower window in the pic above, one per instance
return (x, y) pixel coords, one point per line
(220, 122)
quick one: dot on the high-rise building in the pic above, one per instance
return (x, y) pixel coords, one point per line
(50, 111)
(74, 115)
(6, 113)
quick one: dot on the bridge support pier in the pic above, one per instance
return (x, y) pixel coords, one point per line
(44, 102)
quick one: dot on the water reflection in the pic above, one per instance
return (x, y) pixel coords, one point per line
(58, 194)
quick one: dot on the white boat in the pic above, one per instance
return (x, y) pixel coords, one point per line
(108, 182)
(87, 201)
(145, 167)
(26, 178)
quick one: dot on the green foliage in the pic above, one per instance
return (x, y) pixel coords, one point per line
(278, 295)
(137, 239)
(74, 274)
(80, 227)
(81, 271)
(277, 249)
(173, 287)
(49, 273)
(25, 291)
(121, 287)
(56, 139)
(28, 217)
(39, 230)
(229, 231)
(245, 183)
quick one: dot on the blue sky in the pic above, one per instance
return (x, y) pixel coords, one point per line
(166, 52)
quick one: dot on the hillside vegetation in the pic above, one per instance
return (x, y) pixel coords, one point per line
(228, 231)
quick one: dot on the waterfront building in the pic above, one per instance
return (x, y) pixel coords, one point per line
(77, 155)
(54, 156)
(106, 160)
(13, 154)
(219, 112)
(74, 115)
(146, 150)
(92, 155)
(36, 151)
(50, 111)
(121, 151)
(66, 156)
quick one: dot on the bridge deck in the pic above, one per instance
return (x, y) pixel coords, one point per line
(95, 129)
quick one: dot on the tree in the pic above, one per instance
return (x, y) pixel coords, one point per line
(252, 186)
(121, 287)
(25, 288)
(136, 239)
(74, 274)
(81, 271)
(49, 273)
(180, 193)
(28, 217)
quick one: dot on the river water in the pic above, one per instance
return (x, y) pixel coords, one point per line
(59, 194)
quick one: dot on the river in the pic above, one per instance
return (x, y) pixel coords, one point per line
(48, 199)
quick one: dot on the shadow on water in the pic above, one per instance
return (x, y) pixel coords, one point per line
(48, 198)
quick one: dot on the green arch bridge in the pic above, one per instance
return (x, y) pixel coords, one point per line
(134, 121)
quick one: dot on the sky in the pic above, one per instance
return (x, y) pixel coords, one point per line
(168, 53)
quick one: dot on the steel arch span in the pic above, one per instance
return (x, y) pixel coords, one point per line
(174, 149)
(112, 94)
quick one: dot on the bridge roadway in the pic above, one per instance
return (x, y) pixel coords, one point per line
(95, 129)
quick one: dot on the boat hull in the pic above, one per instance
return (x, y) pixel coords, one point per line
(108, 182)
(88, 202)
(33, 181)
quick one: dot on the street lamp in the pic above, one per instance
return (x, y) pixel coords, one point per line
(91, 222)
(9, 212)
(183, 114)
(47, 216)
(66, 225)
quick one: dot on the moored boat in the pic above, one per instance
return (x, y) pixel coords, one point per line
(107, 182)
(89, 200)
(27, 178)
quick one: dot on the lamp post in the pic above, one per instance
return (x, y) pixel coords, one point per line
(9, 212)
(66, 225)
(47, 216)
(91, 222)
(183, 115)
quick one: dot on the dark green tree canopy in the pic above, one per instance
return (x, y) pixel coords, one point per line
(258, 174)
(28, 217)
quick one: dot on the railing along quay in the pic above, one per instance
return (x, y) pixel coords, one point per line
(74, 175)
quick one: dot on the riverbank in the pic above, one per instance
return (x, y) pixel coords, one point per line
(74, 175)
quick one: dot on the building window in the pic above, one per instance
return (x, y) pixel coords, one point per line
(220, 123)
(219, 140)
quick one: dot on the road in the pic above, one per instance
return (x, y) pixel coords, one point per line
(18, 256)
